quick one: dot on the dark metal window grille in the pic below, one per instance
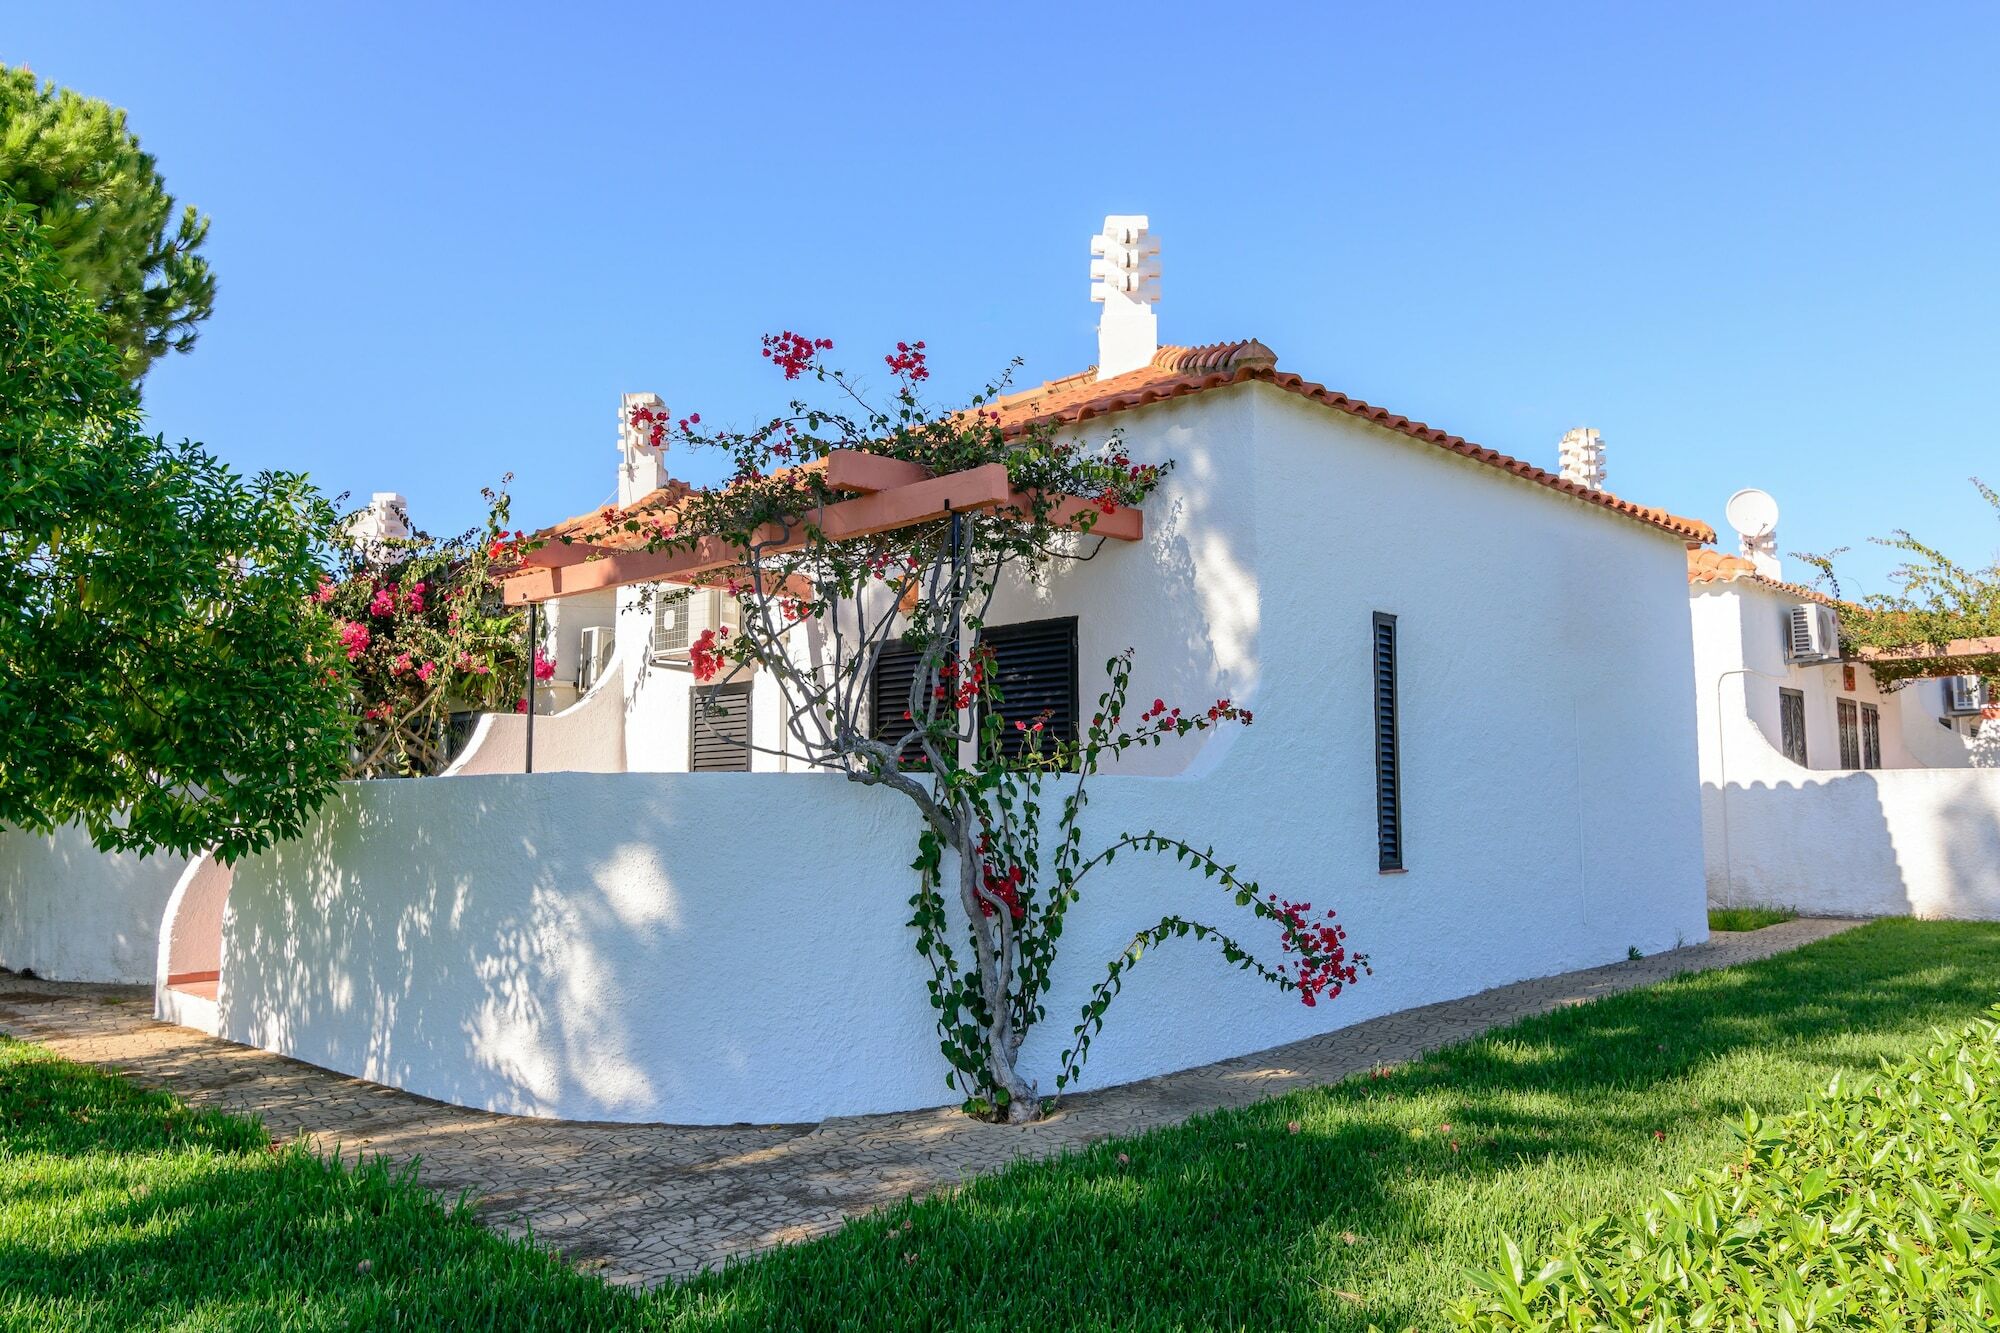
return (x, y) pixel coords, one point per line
(1871, 736)
(1792, 725)
(1388, 762)
(1849, 718)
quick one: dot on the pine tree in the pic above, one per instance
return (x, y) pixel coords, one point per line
(104, 208)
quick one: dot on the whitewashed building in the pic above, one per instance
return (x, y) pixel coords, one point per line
(1489, 769)
(1823, 789)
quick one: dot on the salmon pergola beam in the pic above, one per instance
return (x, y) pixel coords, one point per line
(892, 494)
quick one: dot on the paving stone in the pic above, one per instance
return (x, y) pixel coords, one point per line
(643, 1204)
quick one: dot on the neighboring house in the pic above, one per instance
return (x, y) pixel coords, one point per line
(1823, 789)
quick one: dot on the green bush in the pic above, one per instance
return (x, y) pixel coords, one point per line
(1747, 918)
(1876, 1208)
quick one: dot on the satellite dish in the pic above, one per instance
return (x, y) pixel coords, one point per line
(1753, 513)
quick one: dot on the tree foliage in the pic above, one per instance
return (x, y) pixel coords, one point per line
(1000, 858)
(1937, 601)
(105, 211)
(165, 678)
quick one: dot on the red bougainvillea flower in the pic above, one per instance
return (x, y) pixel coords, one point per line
(908, 361)
(793, 353)
(545, 667)
(354, 637)
(520, 705)
(415, 597)
(705, 655)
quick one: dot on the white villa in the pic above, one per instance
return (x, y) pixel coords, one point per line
(1822, 789)
(1491, 775)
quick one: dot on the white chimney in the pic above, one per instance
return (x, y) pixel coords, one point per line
(1125, 276)
(386, 519)
(642, 469)
(1583, 458)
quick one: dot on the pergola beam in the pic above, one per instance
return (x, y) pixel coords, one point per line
(983, 487)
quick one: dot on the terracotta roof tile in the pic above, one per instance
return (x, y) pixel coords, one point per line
(1706, 566)
(1177, 372)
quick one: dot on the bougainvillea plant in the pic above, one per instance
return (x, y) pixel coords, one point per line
(1937, 601)
(424, 636)
(817, 616)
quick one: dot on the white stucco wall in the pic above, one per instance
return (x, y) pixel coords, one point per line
(1888, 842)
(720, 947)
(586, 737)
(191, 945)
(73, 913)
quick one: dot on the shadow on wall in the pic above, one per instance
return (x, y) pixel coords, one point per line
(1886, 842)
(458, 940)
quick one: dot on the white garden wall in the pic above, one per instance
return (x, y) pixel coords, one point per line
(73, 913)
(718, 947)
(586, 737)
(1887, 842)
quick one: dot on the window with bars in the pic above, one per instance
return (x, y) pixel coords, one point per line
(1792, 725)
(1871, 736)
(1388, 760)
(1849, 718)
(719, 729)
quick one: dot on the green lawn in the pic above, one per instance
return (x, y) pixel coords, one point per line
(119, 1209)
(1748, 918)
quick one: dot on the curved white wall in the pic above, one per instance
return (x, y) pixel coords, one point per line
(190, 956)
(709, 948)
(586, 737)
(1919, 842)
(73, 913)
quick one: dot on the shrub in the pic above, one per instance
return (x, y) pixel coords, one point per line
(1876, 1208)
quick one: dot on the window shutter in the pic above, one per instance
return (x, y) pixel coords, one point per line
(719, 729)
(1035, 670)
(889, 698)
(1388, 762)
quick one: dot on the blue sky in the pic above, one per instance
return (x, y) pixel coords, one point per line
(1751, 244)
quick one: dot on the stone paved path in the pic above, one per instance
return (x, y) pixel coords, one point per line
(645, 1203)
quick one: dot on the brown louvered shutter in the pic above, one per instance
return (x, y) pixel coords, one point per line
(719, 729)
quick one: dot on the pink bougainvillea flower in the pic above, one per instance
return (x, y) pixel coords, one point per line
(385, 601)
(400, 665)
(415, 597)
(545, 667)
(354, 637)
(520, 705)
(324, 592)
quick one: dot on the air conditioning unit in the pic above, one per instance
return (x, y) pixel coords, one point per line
(593, 656)
(1964, 695)
(1812, 633)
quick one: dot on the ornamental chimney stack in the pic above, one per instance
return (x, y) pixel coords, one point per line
(1125, 276)
(641, 468)
(1583, 458)
(385, 520)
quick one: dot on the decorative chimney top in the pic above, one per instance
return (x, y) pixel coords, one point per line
(1583, 458)
(1125, 276)
(641, 469)
(386, 519)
